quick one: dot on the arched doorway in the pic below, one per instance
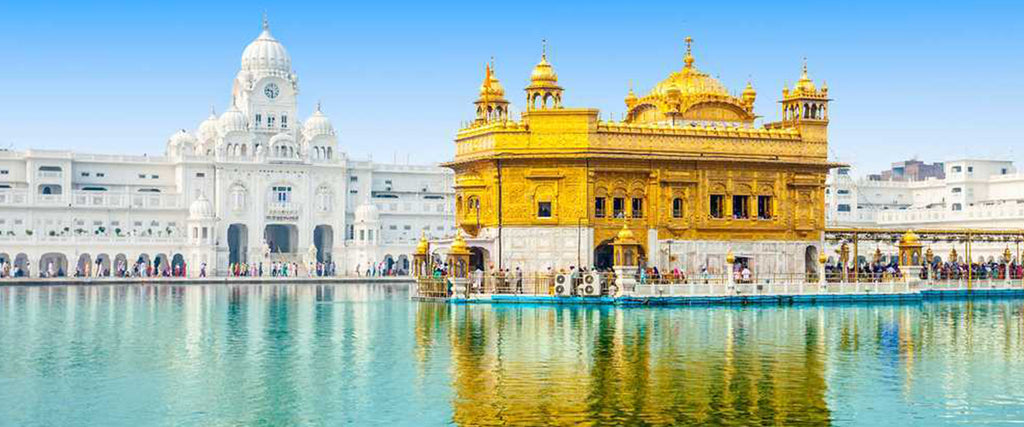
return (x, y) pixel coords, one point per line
(144, 263)
(178, 265)
(282, 238)
(238, 242)
(811, 260)
(84, 266)
(102, 266)
(403, 265)
(604, 255)
(120, 265)
(323, 239)
(21, 265)
(389, 263)
(161, 265)
(478, 258)
(53, 265)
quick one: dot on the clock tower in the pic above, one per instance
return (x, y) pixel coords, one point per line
(266, 88)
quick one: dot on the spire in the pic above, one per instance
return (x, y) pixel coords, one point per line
(543, 48)
(318, 110)
(688, 59)
(213, 111)
(266, 23)
(803, 75)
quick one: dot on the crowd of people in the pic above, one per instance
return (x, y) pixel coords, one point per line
(280, 269)
(883, 272)
(380, 269)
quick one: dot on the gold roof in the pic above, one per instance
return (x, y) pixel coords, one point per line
(689, 94)
(909, 238)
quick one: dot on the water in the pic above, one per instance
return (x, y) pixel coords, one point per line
(365, 354)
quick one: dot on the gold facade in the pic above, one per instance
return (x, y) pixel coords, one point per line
(685, 160)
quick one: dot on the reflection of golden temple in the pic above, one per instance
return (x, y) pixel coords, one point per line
(685, 170)
(564, 366)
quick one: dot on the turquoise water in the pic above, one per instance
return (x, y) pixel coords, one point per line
(365, 354)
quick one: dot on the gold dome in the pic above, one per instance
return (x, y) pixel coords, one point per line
(690, 81)
(909, 238)
(749, 94)
(630, 98)
(543, 72)
(804, 84)
(423, 246)
(459, 245)
(625, 235)
(491, 87)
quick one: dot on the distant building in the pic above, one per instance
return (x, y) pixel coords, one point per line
(976, 194)
(252, 185)
(910, 170)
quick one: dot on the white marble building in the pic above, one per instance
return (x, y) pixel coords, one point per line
(254, 178)
(975, 194)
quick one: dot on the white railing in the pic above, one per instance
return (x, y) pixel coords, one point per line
(99, 199)
(810, 288)
(156, 201)
(50, 174)
(50, 199)
(72, 238)
(13, 197)
(283, 211)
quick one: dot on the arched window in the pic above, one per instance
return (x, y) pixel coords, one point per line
(324, 198)
(677, 207)
(238, 196)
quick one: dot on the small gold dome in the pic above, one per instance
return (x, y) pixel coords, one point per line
(749, 94)
(625, 234)
(909, 238)
(804, 84)
(459, 244)
(491, 87)
(423, 246)
(543, 72)
(630, 98)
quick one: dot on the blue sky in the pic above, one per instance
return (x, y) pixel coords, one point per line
(935, 80)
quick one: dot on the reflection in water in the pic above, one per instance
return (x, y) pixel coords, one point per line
(333, 354)
(666, 366)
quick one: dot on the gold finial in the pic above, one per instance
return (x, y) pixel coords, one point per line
(544, 48)
(318, 106)
(688, 59)
(804, 75)
(266, 23)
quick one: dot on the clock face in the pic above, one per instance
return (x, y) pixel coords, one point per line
(271, 91)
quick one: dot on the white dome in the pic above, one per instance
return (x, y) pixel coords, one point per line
(208, 129)
(266, 54)
(318, 124)
(201, 208)
(232, 120)
(367, 213)
(181, 138)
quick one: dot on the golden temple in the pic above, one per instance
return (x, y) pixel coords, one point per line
(686, 170)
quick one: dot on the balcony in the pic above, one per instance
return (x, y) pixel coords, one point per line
(99, 199)
(50, 199)
(156, 201)
(283, 211)
(13, 197)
